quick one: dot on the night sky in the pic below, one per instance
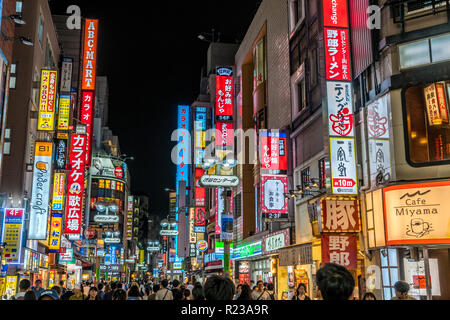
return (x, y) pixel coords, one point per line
(153, 59)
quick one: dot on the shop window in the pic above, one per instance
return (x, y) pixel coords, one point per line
(389, 271)
(259, 64)
(419, 5)
(428, 128)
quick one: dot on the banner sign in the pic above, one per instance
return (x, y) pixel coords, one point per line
(248, 250)
(75, 189)
(337, 54)
(274, 203)
(340, 215)
(224, 134)
(47, 100)
(417, 213)
(89, 54)
(199, 219)
(59, 181)
(273, 151)
(271, 243)
(60, 153)
(343, 166)
(340, 109)
(335, 13)
(39, 208)
(64, 112)
(12, 234)
(192, 235)
(339, 249)
(183, 148)
(55, 233)
(214, 181)
(66, 74)
(87, 112)
(224, 92)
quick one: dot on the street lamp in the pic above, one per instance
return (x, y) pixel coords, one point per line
(16, 18)
(24, 40)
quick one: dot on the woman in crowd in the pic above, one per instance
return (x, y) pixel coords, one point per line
(93, 294)
(300, 293)
(120, 294)
(246, 293)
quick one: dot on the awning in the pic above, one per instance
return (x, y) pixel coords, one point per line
(295, 255)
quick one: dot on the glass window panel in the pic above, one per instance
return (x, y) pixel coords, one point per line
(392, 257)
(12, 82)
(387, 293)
(394, 275)
(13, 68)
(385, 275)
(18, 6)
(384, 261)
(414, 54)
(6, 147)
(440, 48)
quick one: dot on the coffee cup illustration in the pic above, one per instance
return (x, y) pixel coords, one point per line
(41, 165)
(418, 228)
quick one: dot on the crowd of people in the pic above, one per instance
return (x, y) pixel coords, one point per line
(334, 282)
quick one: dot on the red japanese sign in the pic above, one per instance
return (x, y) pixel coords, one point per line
(14, 213)
(337, 54)
(199, 191)
(340, 216)
(199, 217)
(87, 112)
(224, 95)
(224, 134)
(274, 203)
(340, 249)
(335, 13)
(75, 187)
(273, 151)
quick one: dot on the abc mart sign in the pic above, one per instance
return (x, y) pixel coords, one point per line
(213, 181)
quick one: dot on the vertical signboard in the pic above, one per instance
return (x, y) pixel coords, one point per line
(224, 93)
(54, 241)
(340, 215)
(75, 188)
(66, 74)
(339, 96)
(274, 203)
(60, 153)
(339, 249)
(273, 151)
(130, 218)
(47, 100)
(192, 235)
(64, 112)
(199, 220)
(58, 191)
(200, 135)
(12, 234)
(39, 207)
(89, 54)
(183, 151)
(87, 106)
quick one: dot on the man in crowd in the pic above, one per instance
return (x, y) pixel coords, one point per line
(164, 293)
(38, 288)
(401, 291)
(260, 293)
(109, 295)
(101, 293)
(335, 282)
(219, 288)
(61, 285)
(24, 286)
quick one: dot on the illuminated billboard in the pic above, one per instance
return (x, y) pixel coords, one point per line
(47, 100)
(87, 112)
(12, 234)
(89, 54)
(224, 93)
(64, 112)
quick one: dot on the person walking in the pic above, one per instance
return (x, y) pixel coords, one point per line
(197, 292)
(92, 294)
(246, 293)
(271, 291)
(77, 293)
(401, 291)
(261, 293)
(133, 293)
(119, 294)
(186, 294)
(58, 290)
(101, 293)
(300, 293)
(154, 291)
(109, 294)
(369, 296)
(24, 287)
(63, 289)
(29, 295)
(238, 291)
(219, 288)
(164, 293)
(38, 288)
(334, 282)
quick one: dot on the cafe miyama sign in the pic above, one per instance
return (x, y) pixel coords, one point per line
(417, 213)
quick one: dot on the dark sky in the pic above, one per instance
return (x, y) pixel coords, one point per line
(153, 59)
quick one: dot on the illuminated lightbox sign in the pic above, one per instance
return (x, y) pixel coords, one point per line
(340, 109)
(335, 13)
(89, 54)
(112, 240)
(248, 250)
(219, 181)
(274, 203)
(224, 92)
(337, 54)
(12, 234)
(273, 151)
(153, 248)
(168, 232)
(47, 100)
(343, 166)
(106, 218)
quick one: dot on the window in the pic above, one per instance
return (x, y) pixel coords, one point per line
(40, 29)
(389, 271)
(12, 76)
(296, 13)
(427, 123)
(19, 6)
(259, 75)
(423, 52)
(49, 60)
(36, 90)
(423, 4)
(305, 177)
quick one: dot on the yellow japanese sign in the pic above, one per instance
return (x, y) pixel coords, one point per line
(64, 112)
(47, 100)
(58, 191)
(54, 241)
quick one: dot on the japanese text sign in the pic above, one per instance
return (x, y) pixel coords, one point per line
(87, 112)
(273, 150)
(58, 191)
(271, 243)
(337, 54)
(41, 191)
(274, 203)
(64, 112)
(75, 188)
(47, 100)
(89, 54)
(224, 92)
(224, 134)
(340, 249)
(184, 146)
(340, 109)
(12, 234)
(340, 215)
(343, 166)
(54, 241)
(66, 74)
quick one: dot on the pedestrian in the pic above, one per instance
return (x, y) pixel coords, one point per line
(154, 291)
(146, 293)
(38, 288)
(401, 291)
(61, 284)
(101, 293)
(24, 287)
(334, 282)
(252, 284)
(261, 293)
(219, 288)
(190, 286)
(67, 295)
(109, 294)
(186, 294)
(369, 296)
(197, 292)
(246, 293)
(164, 293)
(92, 294)
(48, 295)
(238, 291)
(58, 291)
(133, 293)
(29, 295)
(300, 293)
(284, 295)
(119, 294)
(271, 291)
(77, 293)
